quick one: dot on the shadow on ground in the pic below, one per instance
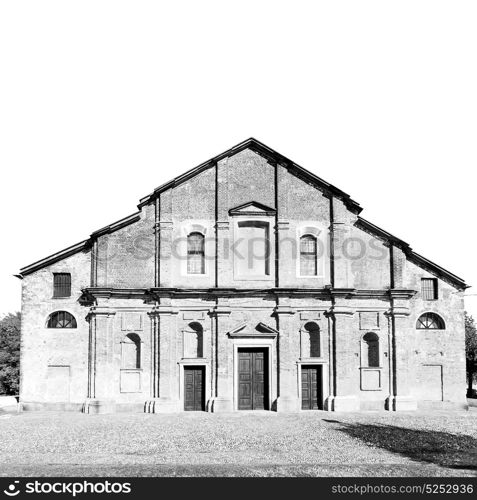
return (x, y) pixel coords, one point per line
(455, 451)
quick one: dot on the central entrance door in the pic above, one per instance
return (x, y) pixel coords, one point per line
(194, 390)
(253, 379)
(311, 387)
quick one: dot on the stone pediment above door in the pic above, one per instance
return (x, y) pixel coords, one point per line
(252, 208)
(261, 330)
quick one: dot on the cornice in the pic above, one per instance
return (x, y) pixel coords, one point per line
(401, 293)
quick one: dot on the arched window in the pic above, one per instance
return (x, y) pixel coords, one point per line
(195, 253)
(61, 319)
(131, 352)
(194, 341)
(308, 254)
(370, 350)
(430, 321)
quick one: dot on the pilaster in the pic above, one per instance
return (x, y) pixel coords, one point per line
(223, 229)
(100, 361)
(402, 332)
(340, 231)
(287, 343)
(164, 359)
(222, 400)
(342, 313)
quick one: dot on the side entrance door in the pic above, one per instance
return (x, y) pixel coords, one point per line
(253, 379)
(311, 387)
(194, 390)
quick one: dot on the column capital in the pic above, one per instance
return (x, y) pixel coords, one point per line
(220, 311)
(341, 310)
(101, 311)
(401, 293)
(222, 225)
(163, 310)
(398, 311)
(283, 224)
(164, 225)
(288, 310)
(400, 301)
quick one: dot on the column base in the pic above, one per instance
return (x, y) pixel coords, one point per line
(161, 405)
(343, 403)
(94, 406)
(219, 405)
(402, 403)
(287, 404)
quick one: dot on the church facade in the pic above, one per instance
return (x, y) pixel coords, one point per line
(247, 283)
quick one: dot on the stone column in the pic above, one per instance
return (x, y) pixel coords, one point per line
(164, 372)
(288, 340)
(223, 398)
(402, 332)
(101, 390)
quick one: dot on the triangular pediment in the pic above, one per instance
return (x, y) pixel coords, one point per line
(252, 208)
(260, 330)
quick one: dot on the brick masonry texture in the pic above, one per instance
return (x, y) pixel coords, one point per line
(132, 283)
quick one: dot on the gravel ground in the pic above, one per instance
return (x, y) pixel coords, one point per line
(239, 444)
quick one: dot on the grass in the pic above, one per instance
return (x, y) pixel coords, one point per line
(239, 444)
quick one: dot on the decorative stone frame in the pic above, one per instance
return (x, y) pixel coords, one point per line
(187, 228)
(316, 230)
(269, 220)
(252, 343)
(303, 331)
(365, 372)
(187, 329)
(126, 371)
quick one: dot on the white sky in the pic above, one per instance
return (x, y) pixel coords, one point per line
(101, 101)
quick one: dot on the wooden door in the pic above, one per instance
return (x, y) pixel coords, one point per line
(253, 379)
(194, 390)
(311, 388)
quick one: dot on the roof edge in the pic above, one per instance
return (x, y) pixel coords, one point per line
(110, 228)
(412, 255)
(350, 203)
(55, 257)
(78, 247)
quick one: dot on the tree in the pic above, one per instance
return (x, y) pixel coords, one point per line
(470, 351)
(10, 354)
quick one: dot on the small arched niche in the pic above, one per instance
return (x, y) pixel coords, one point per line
(370, 356)
(310, 340)
(131, 352)
(194, 340)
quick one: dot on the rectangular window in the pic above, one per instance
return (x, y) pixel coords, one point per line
(195, 253)
(429, 288)
(308, 262)
(252, 249)
(61, 285)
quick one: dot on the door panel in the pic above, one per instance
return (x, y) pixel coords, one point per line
(194, 388)
(253, 379)
(311, 388)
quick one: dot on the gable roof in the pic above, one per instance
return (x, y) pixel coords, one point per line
(258, 146)
(294, 168)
